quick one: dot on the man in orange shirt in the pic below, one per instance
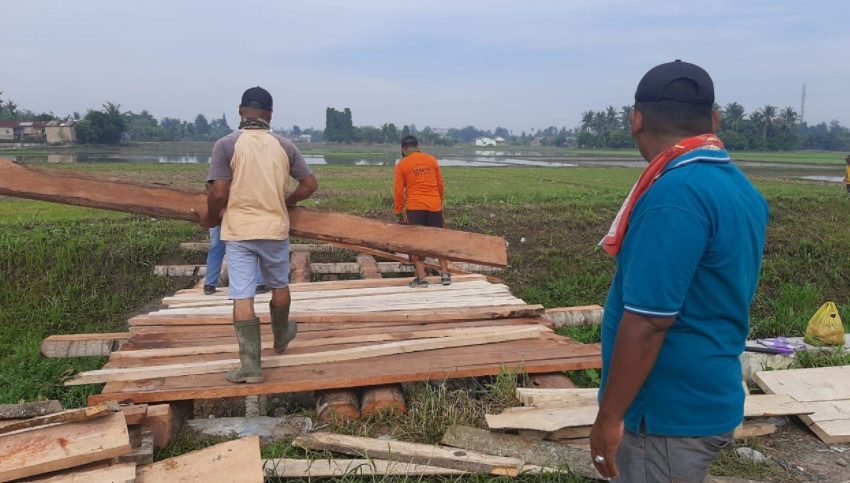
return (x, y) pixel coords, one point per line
(418, 195)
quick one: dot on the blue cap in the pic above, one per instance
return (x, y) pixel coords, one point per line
(653, 84)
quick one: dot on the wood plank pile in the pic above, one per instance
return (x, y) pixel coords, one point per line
(825, 391)
(352, 333)
(111, 443)
(566, 415)
(54, 446)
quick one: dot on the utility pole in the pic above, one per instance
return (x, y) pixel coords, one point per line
(803, 104)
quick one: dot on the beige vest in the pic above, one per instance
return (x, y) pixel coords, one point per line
(256, 209)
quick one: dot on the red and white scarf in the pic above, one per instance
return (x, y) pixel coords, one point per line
(613, 241)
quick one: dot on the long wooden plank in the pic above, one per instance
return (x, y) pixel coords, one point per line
(103, 472)
(157, 337)
(327, 468)
(419, 316)
(75, 189)
(135, 374)
(402, 451)
(69, 416)
(231, 462)
(473, 286)
(536, 452)
(302, 342)
(59, 447)
(83, 345)
(578, 408)
(547, 354)
(531, 396)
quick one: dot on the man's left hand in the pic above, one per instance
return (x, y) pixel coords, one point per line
(204, 219)
(605, 438)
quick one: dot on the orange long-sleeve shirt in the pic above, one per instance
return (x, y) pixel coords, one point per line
(418, 184)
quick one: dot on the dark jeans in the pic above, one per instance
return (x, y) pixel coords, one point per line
(649, 458)
(425, 218)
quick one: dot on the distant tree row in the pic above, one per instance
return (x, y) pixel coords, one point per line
(9, 110)
(765, 129)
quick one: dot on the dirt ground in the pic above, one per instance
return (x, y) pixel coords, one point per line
(804, 457)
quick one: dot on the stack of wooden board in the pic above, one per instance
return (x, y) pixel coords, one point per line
(825, 391)
(61, 445)
(352, 333)
(567, 415)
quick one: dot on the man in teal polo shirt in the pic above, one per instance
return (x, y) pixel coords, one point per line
(689, 241)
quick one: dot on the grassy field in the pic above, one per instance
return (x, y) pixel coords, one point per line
(68, 270)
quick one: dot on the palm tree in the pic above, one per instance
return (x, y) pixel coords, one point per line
(733, 114)
(768, 113)
(586, 120)
(625, 118)
(788, 118)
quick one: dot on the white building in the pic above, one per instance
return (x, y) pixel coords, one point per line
(484, 142)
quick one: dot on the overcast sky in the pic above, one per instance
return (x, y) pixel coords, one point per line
(517, 64)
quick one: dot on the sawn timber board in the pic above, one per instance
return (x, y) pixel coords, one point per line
(77, 189)
(549, 353)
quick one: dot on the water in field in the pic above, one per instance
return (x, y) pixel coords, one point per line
(448, 157)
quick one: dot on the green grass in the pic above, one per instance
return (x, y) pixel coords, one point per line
(71, 273)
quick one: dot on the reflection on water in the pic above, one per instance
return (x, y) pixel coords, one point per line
(480, 158)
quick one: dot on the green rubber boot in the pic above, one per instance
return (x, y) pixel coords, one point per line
(283, 329)
(248, 333)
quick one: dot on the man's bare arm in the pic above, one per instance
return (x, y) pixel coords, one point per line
(218, 192)
(639, 340)
(306, 187)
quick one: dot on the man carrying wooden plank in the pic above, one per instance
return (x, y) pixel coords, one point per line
(418, 194)
(247, 197)
(689, 241)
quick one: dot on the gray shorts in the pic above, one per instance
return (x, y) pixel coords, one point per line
(650, 458)
(242, 266)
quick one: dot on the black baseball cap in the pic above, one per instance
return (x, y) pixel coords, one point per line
(652, 86)
(409, 141)
(257, 97)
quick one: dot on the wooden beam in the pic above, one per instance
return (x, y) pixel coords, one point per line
(231, 462)
(300, 267)
(102, 472)
(29, 410)
(507, 333)
(58, 447)
(402, 451)
(134, 413)
(69, 416)
(532, 396)
(83, 345)
(540, 453)
(163, 423)
(368, 267)
(574, 316)
(77, 189)
(328, 468)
